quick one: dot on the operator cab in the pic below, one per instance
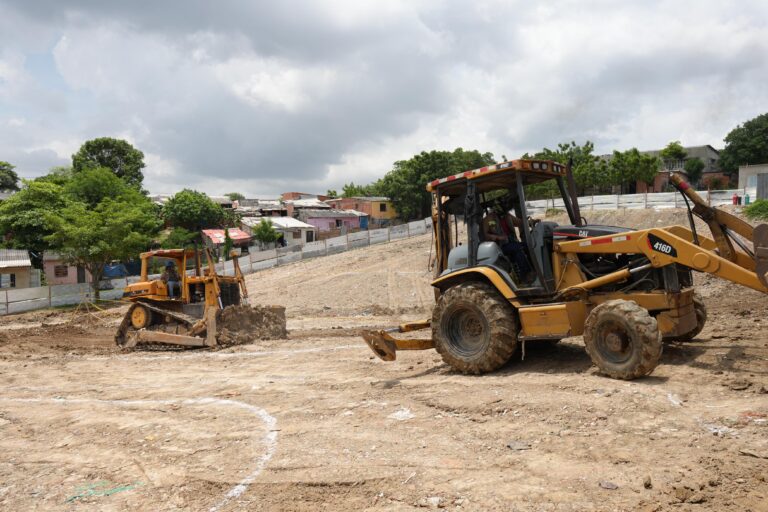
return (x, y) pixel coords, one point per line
(522, 256)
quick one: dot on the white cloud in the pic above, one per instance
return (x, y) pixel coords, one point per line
(268, 97)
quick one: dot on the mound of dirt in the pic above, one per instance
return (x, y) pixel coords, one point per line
(237, 325)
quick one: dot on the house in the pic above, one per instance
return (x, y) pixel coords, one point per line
(292, 196)
(753, 179)
(711, 173)
(380, 210)
(293, 230)
(15, 269)
(263, 207)
(215, 238)
(59, 272)
(294, 205)
(328, 219)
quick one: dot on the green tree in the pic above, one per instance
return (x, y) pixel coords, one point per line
(25, 217)
(60, 175)
(227, 244)
(193, 211)
(235, 196)
(746, 144)
(115, 229)
(94, 184)
(118, 155)
(406, 183)
(589, 170)
(630, 166)
(352, 190)
(331, 193)
(265, 232)
(672, 153)
(179, 238)
(9, 180)
(694, 168)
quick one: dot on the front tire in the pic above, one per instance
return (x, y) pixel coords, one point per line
(474, 328)
(622, 339)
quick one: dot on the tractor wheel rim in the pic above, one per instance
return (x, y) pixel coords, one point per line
(614, 343)
(467, 331)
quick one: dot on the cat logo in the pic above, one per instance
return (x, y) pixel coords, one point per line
(583, 233)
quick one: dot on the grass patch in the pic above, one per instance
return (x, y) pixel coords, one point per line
(757, 210)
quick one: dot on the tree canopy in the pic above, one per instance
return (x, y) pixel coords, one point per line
(118, 155)
(9, 180)
(406, 183)
(94, 184)
(265, 232)
(193, 210)
(694, 168)
(632, 165)
(746, 144)
(235, 196)
(115, 229)
(673, 152)
(25, 217)
(589, 170)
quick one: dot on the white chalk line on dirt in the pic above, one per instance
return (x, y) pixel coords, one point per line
(269, 421)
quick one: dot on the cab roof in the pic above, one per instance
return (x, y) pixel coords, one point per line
(501, 175)
(176, 254)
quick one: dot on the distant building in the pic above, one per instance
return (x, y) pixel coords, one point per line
(293, 206)
(59, 272)
(380, 210)
(707, 154)
(293, 230)
(754, 180)
(15, 269)
(328, 219)
(215, 238)
(292, 196)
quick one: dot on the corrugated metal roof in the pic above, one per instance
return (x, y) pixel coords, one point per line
(217, 235)
(372, 198)
(14, 258)
(327, 213)
(278, 222)
(308, 203)
(359, 214)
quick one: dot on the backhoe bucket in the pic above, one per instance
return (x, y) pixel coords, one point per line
(760, 242)
(385, 346)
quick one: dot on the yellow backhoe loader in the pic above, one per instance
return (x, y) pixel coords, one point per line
(624, 290)
(207, 309)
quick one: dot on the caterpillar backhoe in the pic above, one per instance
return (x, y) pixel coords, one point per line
(624, 290)
(208, 310)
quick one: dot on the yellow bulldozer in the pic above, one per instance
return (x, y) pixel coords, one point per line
(207, 309)
(624, 290)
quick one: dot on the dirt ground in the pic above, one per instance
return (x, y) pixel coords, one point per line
(315, 422)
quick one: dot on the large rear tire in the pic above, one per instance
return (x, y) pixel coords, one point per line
(474, 328)
(622, 339)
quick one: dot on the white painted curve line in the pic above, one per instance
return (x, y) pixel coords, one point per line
(269, 421)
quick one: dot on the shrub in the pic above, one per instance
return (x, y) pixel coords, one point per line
(757, 210)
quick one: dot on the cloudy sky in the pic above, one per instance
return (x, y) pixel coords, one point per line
(264, 97)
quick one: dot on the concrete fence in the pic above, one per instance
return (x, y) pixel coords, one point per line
(659, 200)
(28, 299)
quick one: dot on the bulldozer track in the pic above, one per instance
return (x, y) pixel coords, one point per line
(125, 326)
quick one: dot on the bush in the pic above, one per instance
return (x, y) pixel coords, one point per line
(757, 210)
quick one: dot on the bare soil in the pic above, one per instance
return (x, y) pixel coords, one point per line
(316, 422)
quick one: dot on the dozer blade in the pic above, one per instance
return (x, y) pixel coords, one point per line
(760, 242)
(385, 346)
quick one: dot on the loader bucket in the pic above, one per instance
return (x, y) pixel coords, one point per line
(382, 344)
(760, 242)
(385, 346)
